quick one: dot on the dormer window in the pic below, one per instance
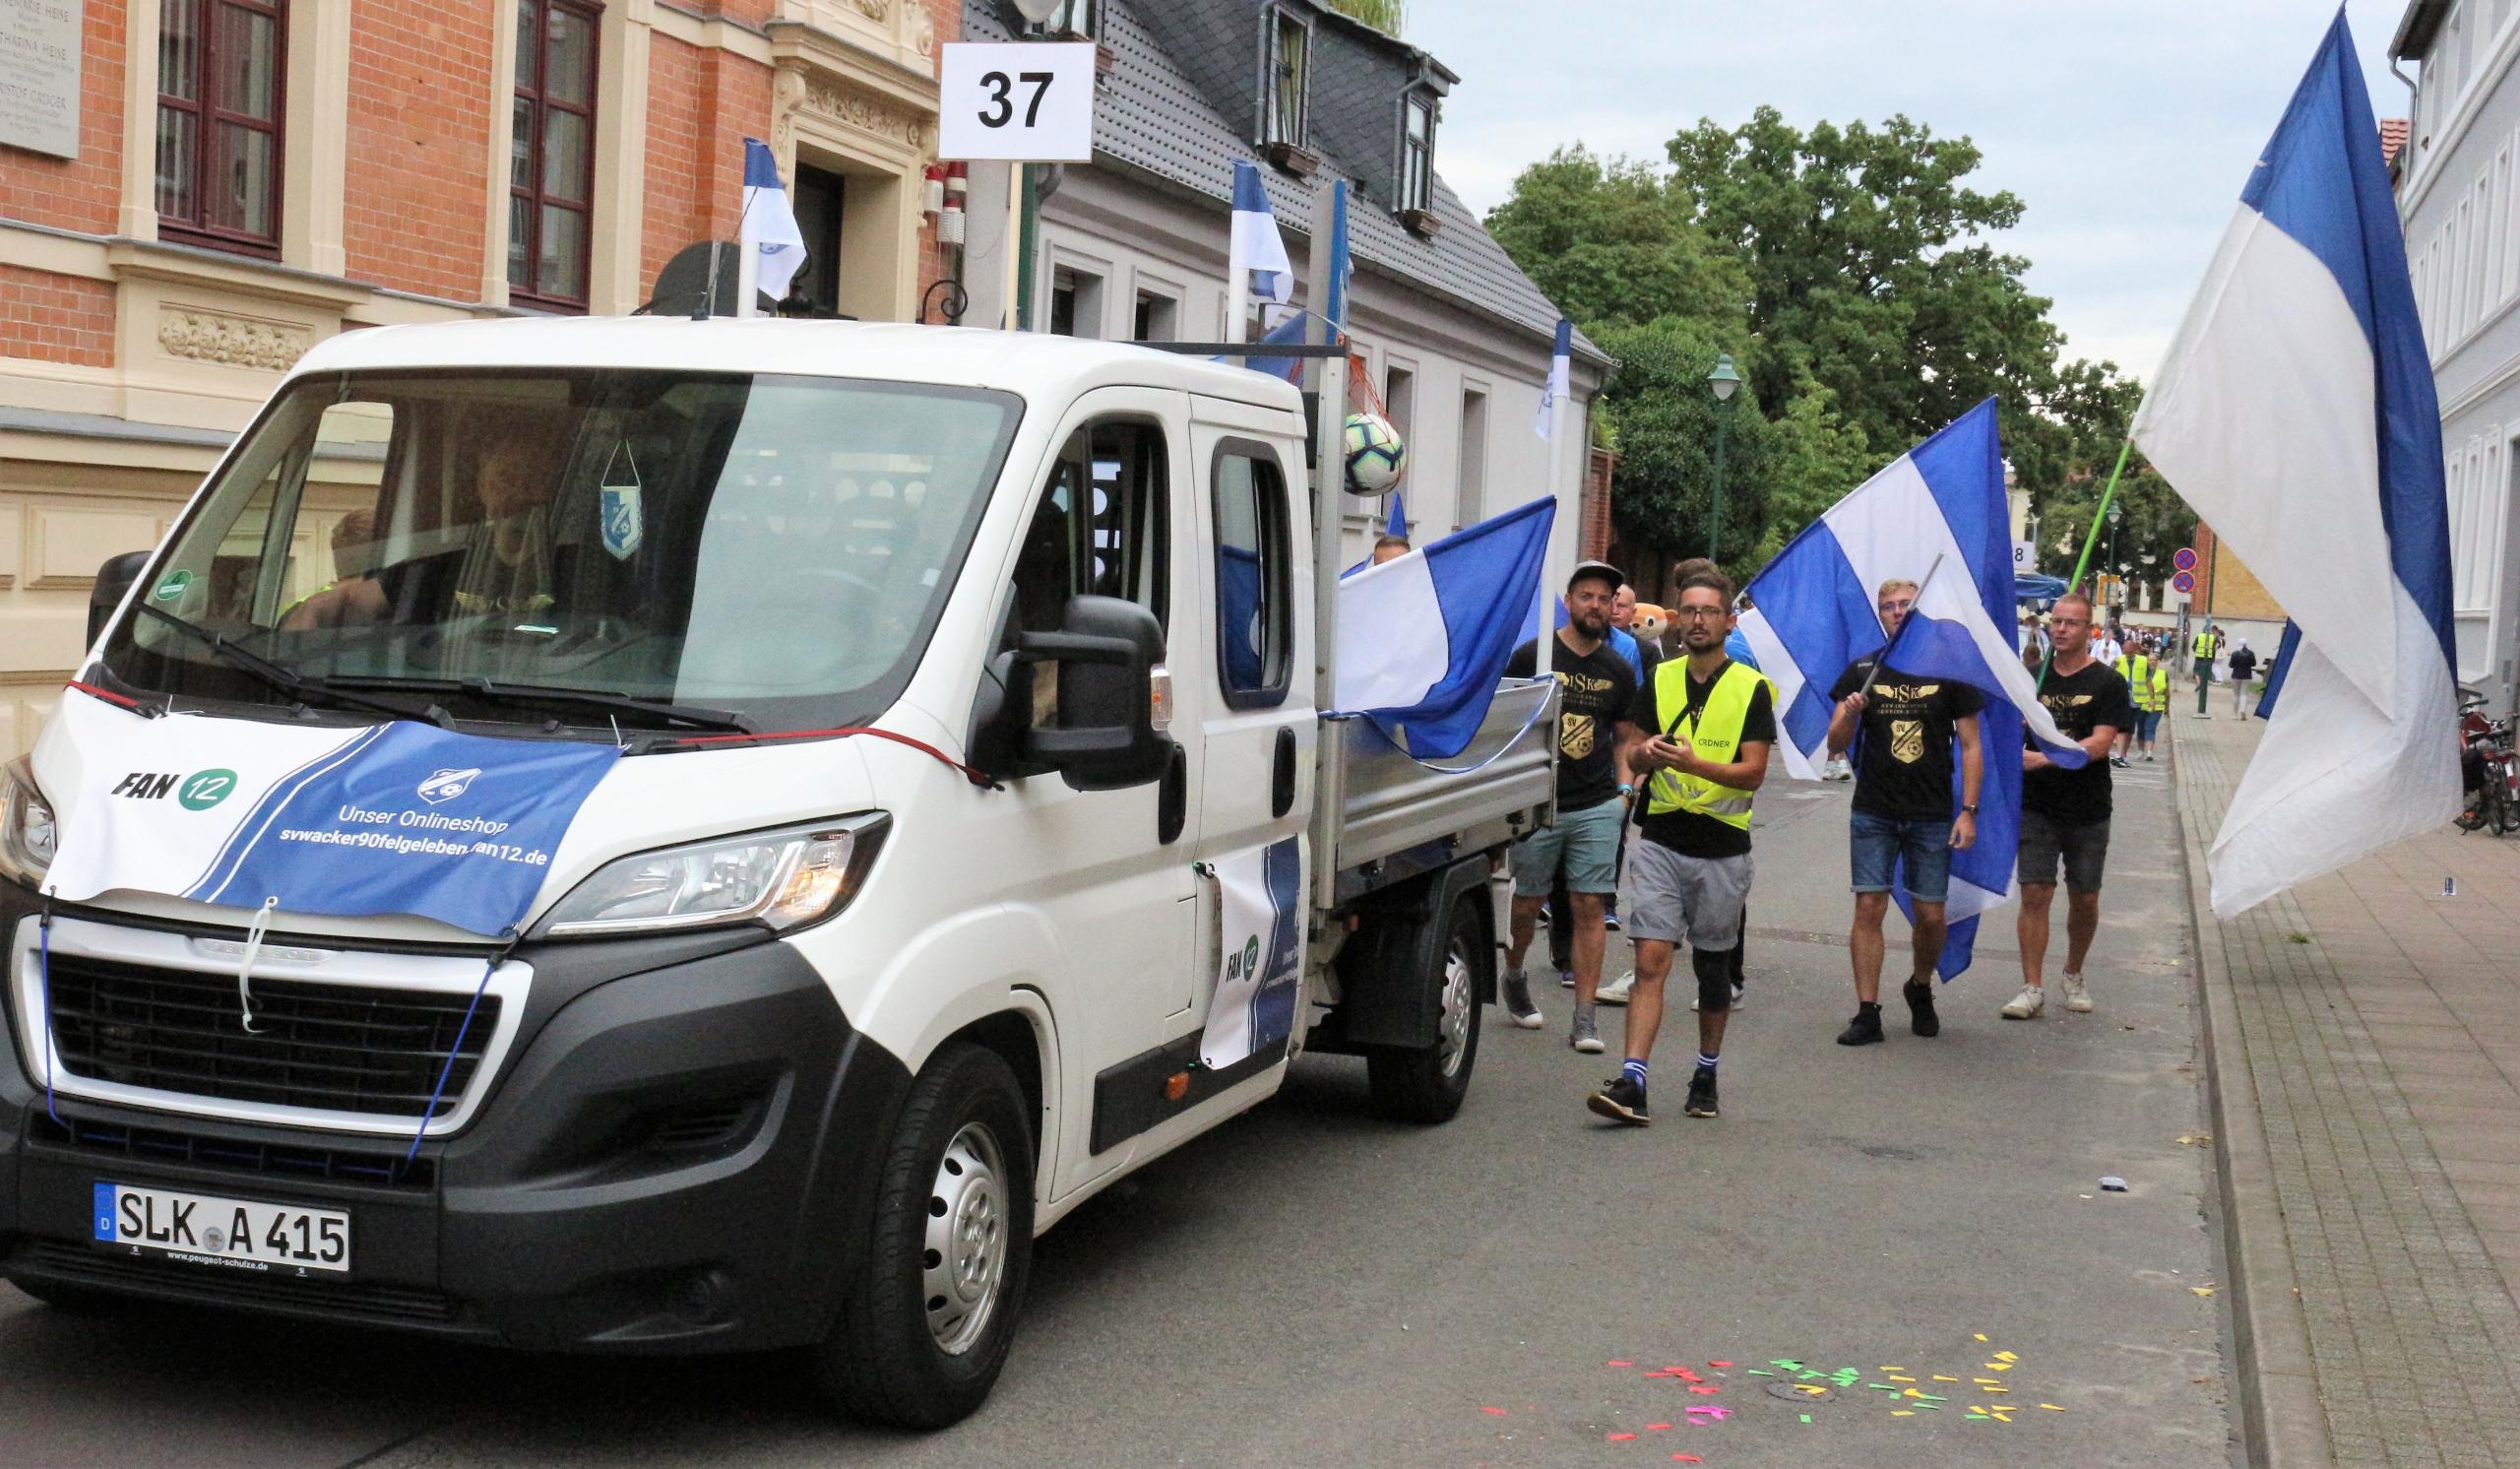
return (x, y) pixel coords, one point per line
(1072, 18)
(1282, 101)
(1417, 151)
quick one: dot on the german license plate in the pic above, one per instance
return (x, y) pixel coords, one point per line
(234, 1233)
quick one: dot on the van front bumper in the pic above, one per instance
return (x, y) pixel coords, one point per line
(678, 1155)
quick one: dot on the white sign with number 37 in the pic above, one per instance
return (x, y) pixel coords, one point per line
(1024, 102)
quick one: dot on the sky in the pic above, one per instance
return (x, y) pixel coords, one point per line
(2126, 127)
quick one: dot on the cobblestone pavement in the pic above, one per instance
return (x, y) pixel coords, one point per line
(2365, 1066)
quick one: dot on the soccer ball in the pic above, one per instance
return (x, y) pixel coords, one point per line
(1376, 456)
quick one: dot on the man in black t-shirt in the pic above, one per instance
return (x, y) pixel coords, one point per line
(2064, 813)
(1595, 689)
(1903, 729)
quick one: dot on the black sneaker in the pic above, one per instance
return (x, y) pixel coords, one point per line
(1865, 1029)
(1921, 1016)
(1701, 1103)
(1623, 1100)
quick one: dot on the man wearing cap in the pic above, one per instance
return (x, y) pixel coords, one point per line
(1595, 688)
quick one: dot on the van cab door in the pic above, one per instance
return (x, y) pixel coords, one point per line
(1253, 692)
(1106, 872)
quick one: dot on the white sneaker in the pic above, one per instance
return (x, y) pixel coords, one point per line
(1616, 995)
(1736, 998)
(1837, 770)
(2027, 1004)
(2077, 995)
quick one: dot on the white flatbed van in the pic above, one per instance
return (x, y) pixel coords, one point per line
(953, 676)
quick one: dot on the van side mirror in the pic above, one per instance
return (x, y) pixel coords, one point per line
(1106, 651)
(113, 580)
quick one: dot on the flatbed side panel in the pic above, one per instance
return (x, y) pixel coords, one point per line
(1391, 803)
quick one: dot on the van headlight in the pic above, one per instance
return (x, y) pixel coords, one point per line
(780, 880)
(29, 836)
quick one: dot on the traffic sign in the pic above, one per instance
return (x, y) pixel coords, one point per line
(2185, 582)
(1018, 101)
(2185, 558)
(2025, 557)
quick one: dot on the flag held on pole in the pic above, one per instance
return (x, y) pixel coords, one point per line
(769, 229)
(1560, 365)
(2295, 413)
(1256, 245)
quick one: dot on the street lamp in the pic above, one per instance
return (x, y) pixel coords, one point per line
(2116, 513)
(1724, 381)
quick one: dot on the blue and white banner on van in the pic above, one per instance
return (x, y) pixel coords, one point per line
(391, 818)
(1259, 905)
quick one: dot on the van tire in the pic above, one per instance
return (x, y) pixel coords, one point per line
(887, 1361)
(1426, 1084)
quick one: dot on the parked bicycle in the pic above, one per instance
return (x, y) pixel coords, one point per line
(2491, 767)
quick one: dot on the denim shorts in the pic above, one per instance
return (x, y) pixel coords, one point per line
(1877, 843)
(2147, 723)
(1585, 842)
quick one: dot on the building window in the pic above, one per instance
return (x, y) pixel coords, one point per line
(221, 98)
(1158, 318)
(1255, 610)
(1400, 398)
(1473, 478)
(1281, 100)
(822, 206)
(1076, 303)
(1417, 151)
(551, 153)
(1075, 18)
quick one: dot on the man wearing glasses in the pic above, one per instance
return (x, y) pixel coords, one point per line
(1901, 730)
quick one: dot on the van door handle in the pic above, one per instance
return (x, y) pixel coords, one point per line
(1172, 797)
(1282, 779)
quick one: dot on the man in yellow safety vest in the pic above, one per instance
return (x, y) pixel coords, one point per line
(1702, 729)
(2205, 647)
(2149, 684)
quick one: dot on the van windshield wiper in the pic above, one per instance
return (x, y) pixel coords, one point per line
(298, 685)
(609, 700)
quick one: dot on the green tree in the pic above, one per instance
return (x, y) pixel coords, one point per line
(1385, 16)
(1815, 458)
(1664, 419)
(1608, 241)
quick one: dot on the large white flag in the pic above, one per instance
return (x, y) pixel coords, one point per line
(2295, 413)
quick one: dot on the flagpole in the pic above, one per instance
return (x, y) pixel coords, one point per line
(1913, 609)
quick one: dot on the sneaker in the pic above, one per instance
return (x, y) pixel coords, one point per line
(1701, 1103)
(1616, 995)
(1518, 1001)
(2118, 760)
(1609, 921)
(1566, 979)
(2148, 754)
(1837, 770)
(1736, 998)
(2027, 1004)
(1623, 1100)
(1580, 1033)
(1918, 993)
(2077, 995)
(1863, 1030)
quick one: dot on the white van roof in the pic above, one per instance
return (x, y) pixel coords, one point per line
(1030, 364)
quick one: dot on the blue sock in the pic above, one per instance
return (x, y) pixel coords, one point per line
(1634, 1070)
(1705, 1062)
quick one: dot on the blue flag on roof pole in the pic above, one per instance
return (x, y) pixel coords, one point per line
(1561, 361)
(1936, 515)
(1255, 253)
(2296, 412)
(1343, 265)
(768, 229)
(1424, 639)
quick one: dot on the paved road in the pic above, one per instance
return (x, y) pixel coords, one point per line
(1308, 1286)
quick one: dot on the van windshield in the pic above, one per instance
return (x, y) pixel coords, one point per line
(583, 548)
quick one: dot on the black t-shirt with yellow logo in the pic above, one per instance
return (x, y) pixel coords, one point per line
(1903, 751)
(1593, 692)
(2080, 702)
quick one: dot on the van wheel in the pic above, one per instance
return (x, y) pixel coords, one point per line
(1428, 1085)
(924, 1330)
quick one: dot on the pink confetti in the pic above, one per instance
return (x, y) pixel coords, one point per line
(1719, 1364)
(1702, 1387)
(1618, 1364)
(1659, 1427)
(1620, 1438)
(1500, 1412)
(1686, 1458)
(1707, 1413)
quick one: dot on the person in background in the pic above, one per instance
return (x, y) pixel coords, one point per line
(2140, 671)
(2108, 648)
(1903, 824)
(2064, 813)
(1389, 549)
(2202, 650)
(1641, 657)
(2244, 669)
(1596, 691)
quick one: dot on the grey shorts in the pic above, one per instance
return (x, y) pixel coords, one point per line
(1696, 900)
(2083, 850)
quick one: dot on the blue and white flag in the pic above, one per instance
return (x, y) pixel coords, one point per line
(1260, 899)
(1255, 253)
(769, 231)
(1561, 361)
(1935, 516)
(390, 818)
(1343, 264)
(2295, 413)
(1397, 522)
(1424, 639)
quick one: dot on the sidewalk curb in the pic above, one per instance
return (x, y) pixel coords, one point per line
(2284, 1425)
